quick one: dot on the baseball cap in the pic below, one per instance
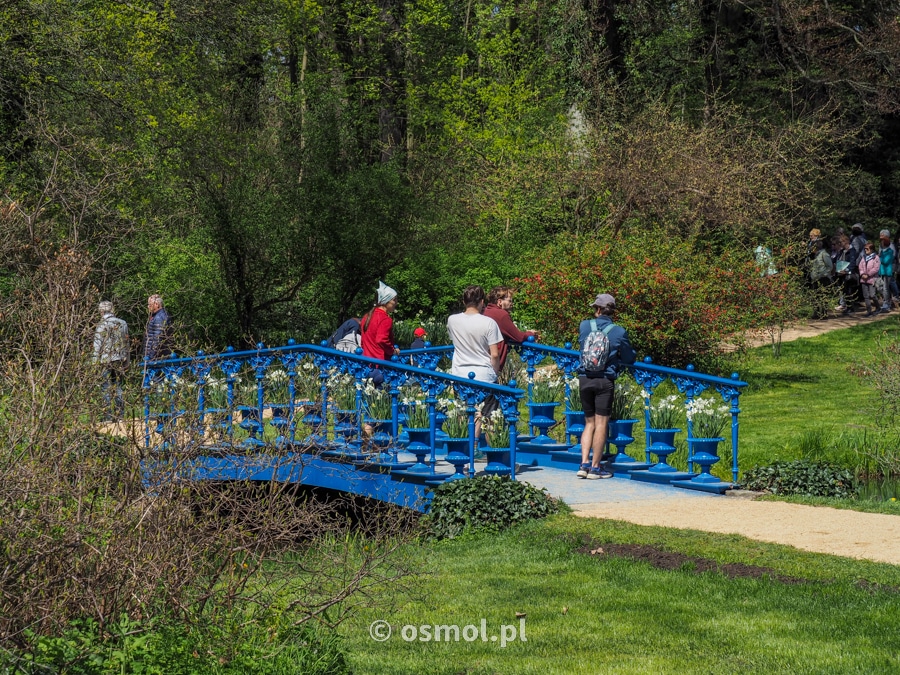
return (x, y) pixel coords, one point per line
(419, 332)
(604, 300)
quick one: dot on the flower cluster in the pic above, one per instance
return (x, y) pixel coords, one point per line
(306, 384)
(628, 400)
(216, 392)
(342, 388)
(573, 399)
(415, 408)
(708, 417)
(276, 383)
(666, 412)
(377, 401)
(546, 387)
(495, 429)
(456, 421)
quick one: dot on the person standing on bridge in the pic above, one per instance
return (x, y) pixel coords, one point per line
(597, 388)
(499, 303)
(476, 342)
(377, 330)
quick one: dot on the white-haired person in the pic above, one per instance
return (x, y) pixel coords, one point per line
(112, 351)
(158, 340)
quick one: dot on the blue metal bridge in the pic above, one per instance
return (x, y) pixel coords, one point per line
(312, 415)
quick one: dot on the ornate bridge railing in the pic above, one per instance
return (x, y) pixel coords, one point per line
(318, 401)
(311, 401)
(650, 376)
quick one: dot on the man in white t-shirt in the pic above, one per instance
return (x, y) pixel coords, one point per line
(476, 339)
(476, 346)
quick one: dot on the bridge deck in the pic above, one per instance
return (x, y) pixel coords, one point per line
(582, 493)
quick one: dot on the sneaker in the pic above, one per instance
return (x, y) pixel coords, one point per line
(583, 471)
(596, 472)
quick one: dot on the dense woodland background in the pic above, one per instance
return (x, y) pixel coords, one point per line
(263, 163)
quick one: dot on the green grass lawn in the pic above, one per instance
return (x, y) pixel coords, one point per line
(809, 390)
(595, 614)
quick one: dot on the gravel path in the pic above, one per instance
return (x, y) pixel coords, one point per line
(852, 534)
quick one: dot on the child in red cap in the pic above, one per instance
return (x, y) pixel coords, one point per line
(420, 335)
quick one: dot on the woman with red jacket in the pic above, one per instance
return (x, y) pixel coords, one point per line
(377, 328)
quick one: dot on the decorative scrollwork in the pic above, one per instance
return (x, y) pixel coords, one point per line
(689, 386)
(728, 392)
(649, 380)
(531, 354)
(429, 360)
(290, 361)
(568, 363)
(201, 369)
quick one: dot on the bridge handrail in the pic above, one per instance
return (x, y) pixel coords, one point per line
(395, 373)
(649, 375)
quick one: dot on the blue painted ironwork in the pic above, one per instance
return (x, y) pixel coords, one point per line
(339, 433)
(248, 371)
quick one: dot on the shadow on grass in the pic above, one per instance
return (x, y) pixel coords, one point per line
(763, 382)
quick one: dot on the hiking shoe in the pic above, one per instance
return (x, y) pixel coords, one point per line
(596, 472)
(583, 471)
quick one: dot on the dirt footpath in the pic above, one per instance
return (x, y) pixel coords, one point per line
(852, 534)
(811, 328)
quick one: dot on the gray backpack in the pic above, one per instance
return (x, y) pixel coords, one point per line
(596, 350)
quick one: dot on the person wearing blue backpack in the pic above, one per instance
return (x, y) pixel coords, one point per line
(605, 349)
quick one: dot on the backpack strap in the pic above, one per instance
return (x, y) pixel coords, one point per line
(593, 325)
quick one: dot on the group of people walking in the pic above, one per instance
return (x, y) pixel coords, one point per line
(863, 271)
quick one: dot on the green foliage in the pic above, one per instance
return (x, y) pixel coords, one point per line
(133, 648)
(678, 302)
(484, 503)
(801, 477)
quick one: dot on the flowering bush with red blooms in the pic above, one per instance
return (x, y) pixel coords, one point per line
(677, 303)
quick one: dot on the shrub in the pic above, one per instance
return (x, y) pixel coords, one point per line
(485, 503)
(801, 477)
(677, 302)
(252, 647)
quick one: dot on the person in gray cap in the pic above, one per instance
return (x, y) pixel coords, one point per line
(605, 349)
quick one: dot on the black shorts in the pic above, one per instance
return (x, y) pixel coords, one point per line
(490, 405)
(596, 395)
